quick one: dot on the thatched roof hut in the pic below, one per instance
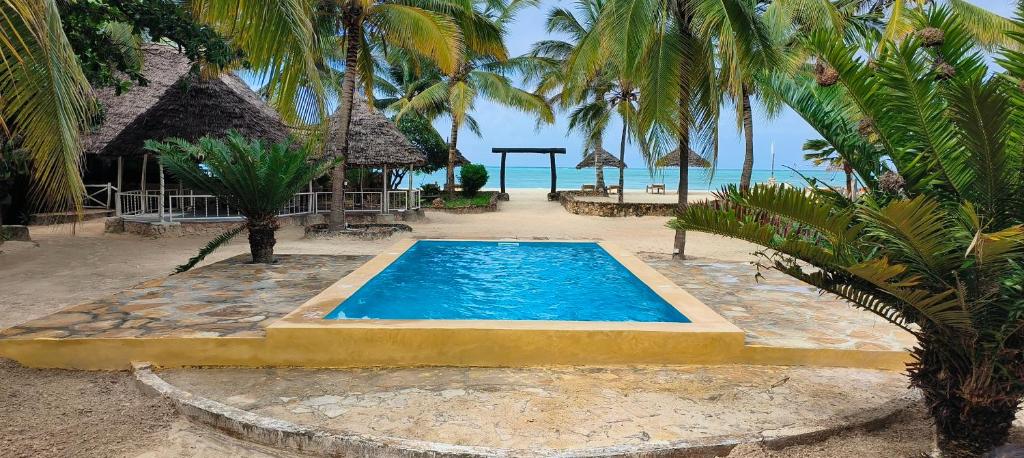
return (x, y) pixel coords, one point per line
(373, 140)
(672, 160)
(606, 159)
(176, 103)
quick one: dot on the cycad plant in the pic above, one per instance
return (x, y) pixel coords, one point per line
(255, 178)
(936, 244)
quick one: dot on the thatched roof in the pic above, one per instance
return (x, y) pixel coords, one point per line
(460, 160)
(672, 160)
(176, 103)
(606, 158)
(373, 140)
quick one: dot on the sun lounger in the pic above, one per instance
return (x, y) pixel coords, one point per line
(614, 189)
(588, 187)
(656, 188)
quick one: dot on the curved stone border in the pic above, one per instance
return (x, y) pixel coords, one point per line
(612, 209)
(287, 435)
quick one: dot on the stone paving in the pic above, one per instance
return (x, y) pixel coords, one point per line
(780, 311)
(231, 298)
(562, 408)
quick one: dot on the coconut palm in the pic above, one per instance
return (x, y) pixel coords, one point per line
(255, 178)
(936, 245)
(46, 99)
(483, 71)
(399, 23)
(667, 47)
(589, 113)
(824, 154)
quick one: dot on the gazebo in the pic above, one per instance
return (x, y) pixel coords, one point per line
(672, 160)
(603, 156)
(375, 142)
(174, 103)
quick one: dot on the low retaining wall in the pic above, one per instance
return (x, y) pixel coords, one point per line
(116, 225)
(492, 206)
(569, 201)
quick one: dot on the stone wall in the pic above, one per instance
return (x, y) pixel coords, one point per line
(612, 209)
(182, 228)
(492, 206)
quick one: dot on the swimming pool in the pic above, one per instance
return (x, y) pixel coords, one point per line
(503, 303)
(492, 280)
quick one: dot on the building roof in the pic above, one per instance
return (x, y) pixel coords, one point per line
(606, 158)
(178, 103)
(373, 140)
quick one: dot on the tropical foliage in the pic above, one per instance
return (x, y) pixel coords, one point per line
(473, 177)
(936, 244)
(255, 178)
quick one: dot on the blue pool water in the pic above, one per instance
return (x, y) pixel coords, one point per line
(453, 280)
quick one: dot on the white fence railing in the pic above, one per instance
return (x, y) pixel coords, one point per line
(99, 196)
(191, 206)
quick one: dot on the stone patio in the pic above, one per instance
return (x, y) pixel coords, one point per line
(560, 411)
(779, 311)
(231, 298)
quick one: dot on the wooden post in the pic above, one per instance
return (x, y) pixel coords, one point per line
(142, 183)
(120, 173)
(160, 212)
(408, 195)
(554, 177)
(503, 172)
(385, 204)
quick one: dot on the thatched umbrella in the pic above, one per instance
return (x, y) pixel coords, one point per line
(672, 160)
(606, 159)
(374, 141)
(176, 103)
(460, 160)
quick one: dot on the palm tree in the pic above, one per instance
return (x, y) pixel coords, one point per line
(667, 47)
(432, 34)
(936, 244)
(254, 178)
(824, 154)
(483, 70)
(589, 110)
(46, 99)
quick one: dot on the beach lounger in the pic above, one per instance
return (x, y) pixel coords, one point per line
(614, 189)
(588, 187)
(656, 188)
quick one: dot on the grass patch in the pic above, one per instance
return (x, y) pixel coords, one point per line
(480, 200)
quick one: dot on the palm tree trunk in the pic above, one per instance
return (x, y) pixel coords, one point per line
(599, 171)
(353, 33)
(849, 179)
(622, 163)
(679, 245)
(262, 241)
(452, 147)
(748, 134)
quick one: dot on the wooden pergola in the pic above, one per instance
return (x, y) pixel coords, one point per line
(549, 151)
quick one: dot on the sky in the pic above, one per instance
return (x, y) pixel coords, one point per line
(504, 127)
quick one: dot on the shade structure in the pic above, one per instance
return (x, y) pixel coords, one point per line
(460, 160)
(603, 156)
(176, 102)
(373, 140)
(672, 160)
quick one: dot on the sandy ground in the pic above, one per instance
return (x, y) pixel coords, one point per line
(64, 413)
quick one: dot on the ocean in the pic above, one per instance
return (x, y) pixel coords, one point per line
(636, 178)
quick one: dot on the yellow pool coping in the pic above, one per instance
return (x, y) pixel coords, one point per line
(303, 338)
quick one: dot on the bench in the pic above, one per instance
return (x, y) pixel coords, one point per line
(656, 189)
(614, 189)
(588, 187)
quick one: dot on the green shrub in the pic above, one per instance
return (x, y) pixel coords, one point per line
(430, 189)
(474, 177)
